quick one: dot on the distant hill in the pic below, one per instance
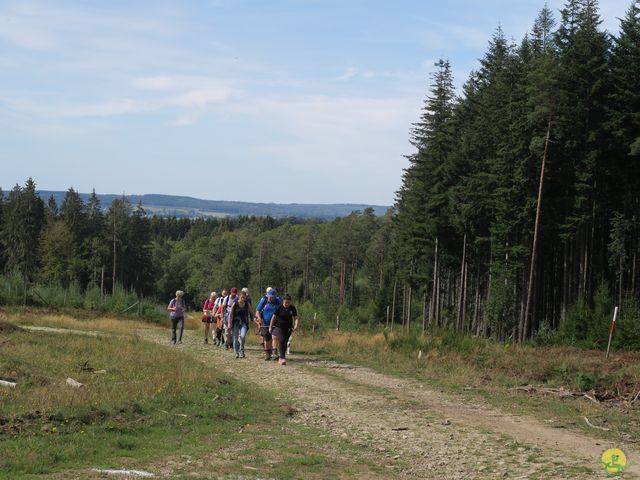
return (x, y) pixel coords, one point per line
(171, 205)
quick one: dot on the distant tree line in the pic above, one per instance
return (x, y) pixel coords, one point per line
(337, 266)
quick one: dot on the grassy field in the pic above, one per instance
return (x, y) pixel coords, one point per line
(144, 406)
(474, 367)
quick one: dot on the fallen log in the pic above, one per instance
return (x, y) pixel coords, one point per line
(594, 426)
(74, 383)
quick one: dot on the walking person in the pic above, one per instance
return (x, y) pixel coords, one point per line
(283, 323)
(177, 308)
(245, 290)
(226, 310)
(208, 319)
(241, 312)
(219, 316)
(267, 306)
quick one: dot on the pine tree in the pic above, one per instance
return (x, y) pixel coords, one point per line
(422, 200)
(23, 219)
(583, 84)
(72, 212)
(624, 125)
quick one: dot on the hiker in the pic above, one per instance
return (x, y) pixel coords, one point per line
(219, 318)
(177, 308)
(208, 318)
(239, 316)
(283, 323)
(226, 310)
(266, 308)
(245, 290)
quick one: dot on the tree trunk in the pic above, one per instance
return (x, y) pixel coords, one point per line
(404, 304)
(523, 332)
(459, 318)
(475, 324)
(113, 277)
(464, 295)
(436, 286)
(408, 323)
(393, 303)
(306, 275)
(331, 280)
(424, 311)
(260, 267)
(381, 277)
(353, 281)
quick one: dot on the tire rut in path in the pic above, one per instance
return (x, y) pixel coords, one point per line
(425, 433)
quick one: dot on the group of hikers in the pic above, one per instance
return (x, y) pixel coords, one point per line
(227, 317)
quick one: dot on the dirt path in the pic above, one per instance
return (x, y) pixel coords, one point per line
(417, 431)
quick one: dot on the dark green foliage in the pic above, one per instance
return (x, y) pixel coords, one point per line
(568, 95)
(22, 221)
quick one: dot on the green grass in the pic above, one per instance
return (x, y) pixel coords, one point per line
(152, 405)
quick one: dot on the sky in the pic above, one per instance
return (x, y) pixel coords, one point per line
(287, 101)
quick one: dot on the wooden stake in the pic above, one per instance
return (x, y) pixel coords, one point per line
(613, 324)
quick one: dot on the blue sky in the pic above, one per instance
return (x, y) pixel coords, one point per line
(306, 101)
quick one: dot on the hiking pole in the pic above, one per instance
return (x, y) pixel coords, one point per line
(613, 324)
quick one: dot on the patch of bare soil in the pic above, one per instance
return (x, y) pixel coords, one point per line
(417, 432)
(6, 327)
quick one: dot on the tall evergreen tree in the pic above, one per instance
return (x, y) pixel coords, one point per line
(422, 201)
(23, 214)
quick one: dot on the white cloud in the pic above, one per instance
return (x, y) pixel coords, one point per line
(154, 83)
(192, 99)
(184, 120)
(24, 36)
(314, 133)
(200, 98)
(348, 74)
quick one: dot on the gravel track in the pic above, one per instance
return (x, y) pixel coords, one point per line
(414, 430)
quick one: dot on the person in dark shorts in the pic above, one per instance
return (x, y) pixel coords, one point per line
(265, 310)
(283, 323)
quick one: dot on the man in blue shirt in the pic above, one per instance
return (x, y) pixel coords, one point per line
(267, 306)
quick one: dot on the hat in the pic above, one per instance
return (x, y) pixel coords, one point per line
(245, 290)
(233, 291)
(271, 292)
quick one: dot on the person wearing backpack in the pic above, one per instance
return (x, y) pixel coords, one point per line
(218, 314)
(241, 312)
(177, 309)
(208, 307)
(284, 322)
(226, 310)
(267, 306)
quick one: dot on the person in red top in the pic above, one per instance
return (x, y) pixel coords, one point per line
(208, 318)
